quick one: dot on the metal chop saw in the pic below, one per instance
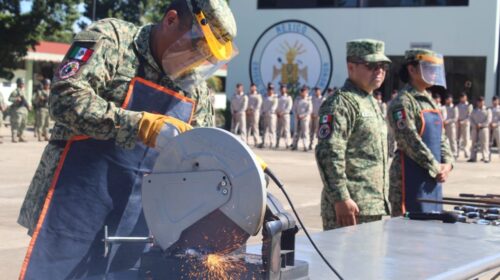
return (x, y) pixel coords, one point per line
(205, 197)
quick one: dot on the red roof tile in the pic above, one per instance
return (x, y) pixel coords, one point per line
(52, 48)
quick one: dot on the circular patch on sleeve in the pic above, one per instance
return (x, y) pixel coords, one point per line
(69, 69)
(324, 131)
(401, 124)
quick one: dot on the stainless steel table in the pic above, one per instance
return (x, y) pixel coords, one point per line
(403, 249)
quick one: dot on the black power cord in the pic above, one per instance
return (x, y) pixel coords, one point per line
(282, 187)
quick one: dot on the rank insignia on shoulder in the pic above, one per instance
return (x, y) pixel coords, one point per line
(69, 69)
(80, 53)
(326, 119)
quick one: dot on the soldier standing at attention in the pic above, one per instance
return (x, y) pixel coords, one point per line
(2, 110)
(239, 104)
(269, 105)
(424, 159)
(41, 106)
(285, 104)
(352, 148)
(316, 100)
(450, 124)
(302, 109)
(480, 120)
(19, 111)
(120, 91)
(495, 123)
(464, 111)
(253, 113)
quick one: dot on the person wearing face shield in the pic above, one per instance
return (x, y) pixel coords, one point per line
(120, 93)
(423, 158)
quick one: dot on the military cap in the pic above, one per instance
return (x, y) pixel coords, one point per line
(270, 86)
(218, 15)
(45, 82)
(417, 54)
(20, 81)
(367, 50)
(304, 87)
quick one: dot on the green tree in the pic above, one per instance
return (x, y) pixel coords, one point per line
(139, 12)
(21, 31)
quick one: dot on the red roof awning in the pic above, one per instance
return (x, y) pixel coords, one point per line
(48, 51)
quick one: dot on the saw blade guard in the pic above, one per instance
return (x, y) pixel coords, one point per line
(207, 191)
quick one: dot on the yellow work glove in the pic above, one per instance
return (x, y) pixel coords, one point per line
(151, 124)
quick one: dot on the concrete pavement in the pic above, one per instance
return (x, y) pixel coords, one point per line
(296, 169)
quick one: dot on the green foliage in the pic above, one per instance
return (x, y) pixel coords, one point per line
(139, 12)
(20, 31)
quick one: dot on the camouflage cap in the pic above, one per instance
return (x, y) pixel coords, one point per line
(219, 16)
(413, 54)
(20, 81)
(367, 50)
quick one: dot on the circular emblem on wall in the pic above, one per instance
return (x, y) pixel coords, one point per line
(291, 52)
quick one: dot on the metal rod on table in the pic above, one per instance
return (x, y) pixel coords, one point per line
(485, 201)
(457, 203)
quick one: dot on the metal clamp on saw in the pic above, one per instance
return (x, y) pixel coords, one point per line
(205, 197)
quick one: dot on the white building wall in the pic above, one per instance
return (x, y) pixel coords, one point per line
(455, 31)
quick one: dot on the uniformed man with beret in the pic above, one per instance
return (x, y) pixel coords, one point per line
(352, 148)
(424, 159)
(120, 91)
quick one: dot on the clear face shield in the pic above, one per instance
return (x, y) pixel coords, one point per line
(432, 69)
(197, 55)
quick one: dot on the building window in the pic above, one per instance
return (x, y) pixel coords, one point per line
(300, 4)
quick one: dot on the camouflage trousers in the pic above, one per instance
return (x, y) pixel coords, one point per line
(396, 186)
(40, 184)
(42, 121)
(18, 121)
(329, 217)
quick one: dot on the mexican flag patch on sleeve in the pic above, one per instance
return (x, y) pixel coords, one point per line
(80, 53)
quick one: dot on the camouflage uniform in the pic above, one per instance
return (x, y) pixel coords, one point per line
(352, 157)
(409, 141)
(89, 102)
(2, 109)
(352, 145)
(18, 114)
(41, 105)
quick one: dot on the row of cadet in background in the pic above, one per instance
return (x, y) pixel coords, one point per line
(19, 108)
(269, 116)
(468, 128)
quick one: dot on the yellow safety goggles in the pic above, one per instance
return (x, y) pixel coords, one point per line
(222, 52)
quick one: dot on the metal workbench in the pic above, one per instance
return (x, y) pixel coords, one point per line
(403, 249)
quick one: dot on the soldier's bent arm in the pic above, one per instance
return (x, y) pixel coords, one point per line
(455, 112)
(409, 140)
(331, 149)
(77, 101)
(489, 118)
